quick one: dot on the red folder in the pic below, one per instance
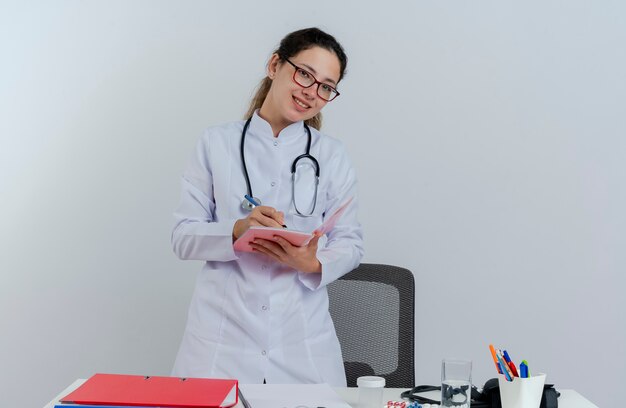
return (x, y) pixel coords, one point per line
(137, 390)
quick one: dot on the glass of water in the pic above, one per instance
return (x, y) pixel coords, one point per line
(456, 383)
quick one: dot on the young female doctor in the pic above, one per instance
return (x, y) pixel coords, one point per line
(263, 316)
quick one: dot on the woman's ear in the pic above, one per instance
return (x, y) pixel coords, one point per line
(272, 66)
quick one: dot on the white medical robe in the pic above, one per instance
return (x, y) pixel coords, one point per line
(251, 318)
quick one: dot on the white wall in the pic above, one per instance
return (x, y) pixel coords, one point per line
(489, 138)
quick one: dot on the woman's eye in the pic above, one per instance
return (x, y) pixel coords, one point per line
(303, 73)
(327, 88)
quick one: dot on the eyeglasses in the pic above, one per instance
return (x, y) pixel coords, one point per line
(306, 79)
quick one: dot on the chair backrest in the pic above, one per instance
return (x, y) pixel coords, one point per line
(372, 308)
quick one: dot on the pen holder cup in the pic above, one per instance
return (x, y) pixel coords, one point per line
(521, 392)
(370, 391)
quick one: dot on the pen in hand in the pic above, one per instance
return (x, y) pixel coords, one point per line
(254, 203)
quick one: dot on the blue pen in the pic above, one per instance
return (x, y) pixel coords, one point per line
(93, 406)
(523, 369)
(255, 203)
(251, 200)
(503, 367)
(506, 374)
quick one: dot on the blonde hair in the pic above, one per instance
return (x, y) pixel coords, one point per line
(260, 95)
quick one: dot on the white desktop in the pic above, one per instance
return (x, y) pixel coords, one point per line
(568, 398)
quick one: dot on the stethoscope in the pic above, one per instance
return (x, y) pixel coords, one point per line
(250, 201)
(461, 393)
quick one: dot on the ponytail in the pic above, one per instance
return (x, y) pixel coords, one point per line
(259, 96)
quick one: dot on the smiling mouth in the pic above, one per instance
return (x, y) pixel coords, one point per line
(300, 103)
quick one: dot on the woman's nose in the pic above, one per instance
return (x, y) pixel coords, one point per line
(310, 92)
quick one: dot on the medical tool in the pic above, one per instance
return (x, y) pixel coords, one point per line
(251, 201)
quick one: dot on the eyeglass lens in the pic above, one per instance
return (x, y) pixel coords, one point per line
(305, 79)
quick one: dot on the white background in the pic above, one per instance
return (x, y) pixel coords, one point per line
(488, 136)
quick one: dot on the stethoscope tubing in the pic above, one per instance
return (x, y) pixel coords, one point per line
(243, 158)
(305, 155)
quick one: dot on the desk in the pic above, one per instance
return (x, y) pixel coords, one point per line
(568, 398)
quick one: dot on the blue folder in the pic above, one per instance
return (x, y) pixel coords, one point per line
(96, 406)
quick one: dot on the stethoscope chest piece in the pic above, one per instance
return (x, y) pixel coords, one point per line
(248, 205)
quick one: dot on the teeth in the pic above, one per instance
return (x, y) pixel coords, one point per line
(300, 103)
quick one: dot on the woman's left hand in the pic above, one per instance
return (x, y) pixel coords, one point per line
(302, 258)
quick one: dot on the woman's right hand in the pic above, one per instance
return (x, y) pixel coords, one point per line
(263, 216)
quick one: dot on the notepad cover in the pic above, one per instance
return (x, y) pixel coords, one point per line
(296, 238)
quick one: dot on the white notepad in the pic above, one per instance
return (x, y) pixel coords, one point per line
(292, 395)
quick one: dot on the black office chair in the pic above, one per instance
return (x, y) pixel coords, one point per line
(372, 308)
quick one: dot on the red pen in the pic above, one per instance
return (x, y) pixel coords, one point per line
(513, 369)
(510, 364)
